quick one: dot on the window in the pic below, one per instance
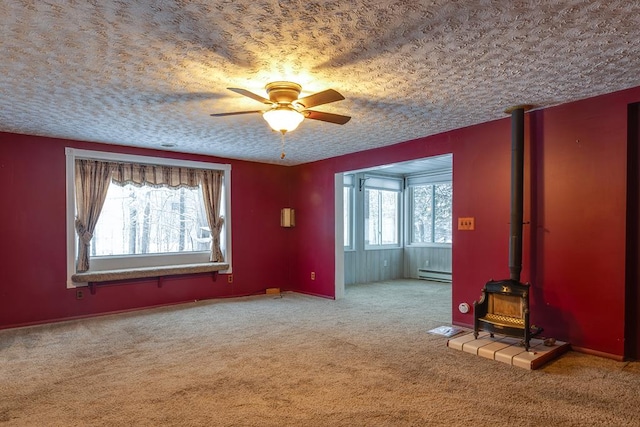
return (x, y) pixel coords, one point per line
(348, 217)
(147, 225)
(382, 212)
(430, 212)
(151, 220)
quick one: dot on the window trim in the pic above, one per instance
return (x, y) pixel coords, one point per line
(72, 154)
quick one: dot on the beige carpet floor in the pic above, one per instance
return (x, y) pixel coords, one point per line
(366, 360)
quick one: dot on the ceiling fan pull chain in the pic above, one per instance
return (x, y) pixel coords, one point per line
(282, 155)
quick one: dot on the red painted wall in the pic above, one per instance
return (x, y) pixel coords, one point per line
(574, 245)
(575, 206)
(32, 231)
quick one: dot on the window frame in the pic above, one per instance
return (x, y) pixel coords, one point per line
(137, 260)
(349, 184)
(384, 183)
(439, 177)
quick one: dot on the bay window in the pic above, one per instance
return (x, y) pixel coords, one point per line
(128, 211)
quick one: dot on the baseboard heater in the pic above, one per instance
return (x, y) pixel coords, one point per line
(439, 276)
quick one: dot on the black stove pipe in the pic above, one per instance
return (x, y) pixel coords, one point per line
(517, 190)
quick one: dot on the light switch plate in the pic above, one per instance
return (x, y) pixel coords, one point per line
(466, 223)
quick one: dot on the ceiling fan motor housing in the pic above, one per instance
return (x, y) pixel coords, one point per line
(283, 92)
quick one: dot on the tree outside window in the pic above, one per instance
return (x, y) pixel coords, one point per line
(381, 217)
(431, 213)
(151, 220)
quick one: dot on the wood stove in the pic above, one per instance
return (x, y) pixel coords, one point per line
(503, 308)
(504, 304)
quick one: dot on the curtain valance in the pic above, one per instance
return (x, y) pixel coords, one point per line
(155, 175)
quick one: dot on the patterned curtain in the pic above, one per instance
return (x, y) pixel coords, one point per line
(155, 176)
(211, 182)
(92, 182)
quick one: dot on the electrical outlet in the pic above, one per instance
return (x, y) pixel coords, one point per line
(313, 275)
(468, 223)
(79, 294)
(230, 278)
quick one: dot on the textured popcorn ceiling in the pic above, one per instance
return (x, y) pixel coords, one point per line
(149, 73)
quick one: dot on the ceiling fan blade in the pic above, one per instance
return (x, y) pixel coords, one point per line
(235, 113)
(326, 117)
(324, 97)
(250, 95)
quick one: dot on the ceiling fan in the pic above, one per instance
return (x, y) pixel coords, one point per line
(286, 111)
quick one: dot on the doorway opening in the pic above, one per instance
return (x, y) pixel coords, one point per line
(394, 222)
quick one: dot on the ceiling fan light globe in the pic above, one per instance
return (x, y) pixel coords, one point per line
(283, 119)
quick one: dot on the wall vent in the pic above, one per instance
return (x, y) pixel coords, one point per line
(439, 276)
